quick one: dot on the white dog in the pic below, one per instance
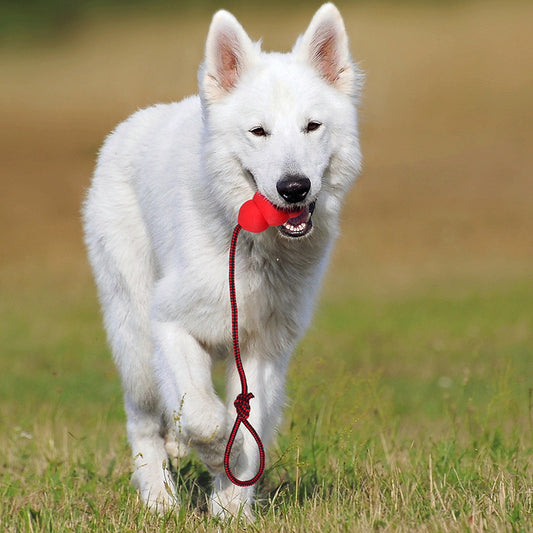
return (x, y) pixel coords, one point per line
(158, 222)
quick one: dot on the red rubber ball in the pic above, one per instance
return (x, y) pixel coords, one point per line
(251, 219)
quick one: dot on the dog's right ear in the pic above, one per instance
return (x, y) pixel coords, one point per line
(228, 53)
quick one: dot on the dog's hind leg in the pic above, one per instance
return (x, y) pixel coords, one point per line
(119, 252)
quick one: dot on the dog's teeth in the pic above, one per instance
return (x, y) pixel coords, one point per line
(299, 225)
(296, 229)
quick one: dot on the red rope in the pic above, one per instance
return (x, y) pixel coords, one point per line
(242, 402)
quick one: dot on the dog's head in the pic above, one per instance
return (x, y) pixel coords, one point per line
(284, 125)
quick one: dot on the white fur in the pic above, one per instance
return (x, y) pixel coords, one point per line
(158, 221)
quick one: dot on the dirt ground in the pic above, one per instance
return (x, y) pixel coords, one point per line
(447, 131)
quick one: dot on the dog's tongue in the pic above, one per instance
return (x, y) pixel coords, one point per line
(258, 214)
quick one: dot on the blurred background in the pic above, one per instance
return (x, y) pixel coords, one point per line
(446, 127)
(444, 205)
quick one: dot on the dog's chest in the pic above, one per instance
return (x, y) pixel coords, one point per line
(267, 299)
(269, 293)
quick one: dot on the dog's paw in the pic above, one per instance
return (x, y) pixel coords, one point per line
(211, 450)
(212, 447)
(208, 433)
(156, 489)
(232, 503)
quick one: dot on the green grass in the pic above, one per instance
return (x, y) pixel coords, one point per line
(410, 412)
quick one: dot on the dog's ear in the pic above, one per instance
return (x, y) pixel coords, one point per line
(228, 53)
(325, 46)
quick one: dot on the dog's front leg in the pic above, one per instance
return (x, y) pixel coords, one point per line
(266, 380)
(183, 368)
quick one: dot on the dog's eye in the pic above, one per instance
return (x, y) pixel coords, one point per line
(258, 131)
(312, 126)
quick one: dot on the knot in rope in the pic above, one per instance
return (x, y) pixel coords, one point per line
(242, 405)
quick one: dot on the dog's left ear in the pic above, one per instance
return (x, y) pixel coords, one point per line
(325, 46)
(228, 53)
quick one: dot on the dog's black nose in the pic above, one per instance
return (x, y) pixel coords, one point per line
(293, 188)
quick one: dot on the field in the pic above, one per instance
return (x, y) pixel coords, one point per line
(411, 398)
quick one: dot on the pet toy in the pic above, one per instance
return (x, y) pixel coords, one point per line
(255, 216)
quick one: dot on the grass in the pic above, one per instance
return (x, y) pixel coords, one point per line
(408, 413)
